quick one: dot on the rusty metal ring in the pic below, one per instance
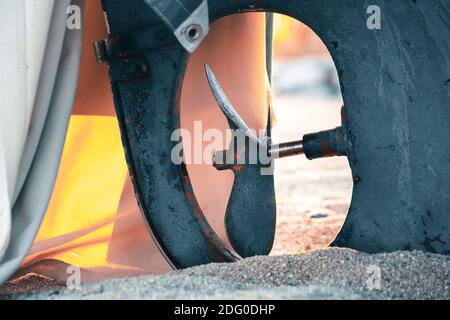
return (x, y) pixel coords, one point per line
(389, 211)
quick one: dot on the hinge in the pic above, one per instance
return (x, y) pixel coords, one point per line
(132, 44)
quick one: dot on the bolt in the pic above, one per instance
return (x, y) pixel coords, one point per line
(193, 32)
(134, 68)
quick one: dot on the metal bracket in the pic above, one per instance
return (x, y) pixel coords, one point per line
(188, 20)
(128, 49)
(133, 43)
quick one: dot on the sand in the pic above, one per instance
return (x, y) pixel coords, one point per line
(322, 274)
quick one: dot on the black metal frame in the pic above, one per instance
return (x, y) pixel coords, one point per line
(395, 83)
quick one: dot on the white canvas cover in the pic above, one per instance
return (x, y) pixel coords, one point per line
(39, 63)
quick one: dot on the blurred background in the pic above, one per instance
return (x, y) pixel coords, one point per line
(313, 197)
